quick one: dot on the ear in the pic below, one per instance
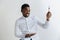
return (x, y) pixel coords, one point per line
(21, 10)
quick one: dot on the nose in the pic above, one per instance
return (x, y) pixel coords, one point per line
(27, 12)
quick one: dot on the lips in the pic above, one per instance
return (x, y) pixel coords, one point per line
(27, 14)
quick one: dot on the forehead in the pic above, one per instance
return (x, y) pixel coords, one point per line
(27, 8)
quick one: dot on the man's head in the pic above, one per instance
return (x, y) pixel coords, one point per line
(25, 9)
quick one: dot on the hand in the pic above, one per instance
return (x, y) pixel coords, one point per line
(29, 35)
(48, 15)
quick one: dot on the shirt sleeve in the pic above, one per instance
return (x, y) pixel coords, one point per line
(18, 32)
(44, 25)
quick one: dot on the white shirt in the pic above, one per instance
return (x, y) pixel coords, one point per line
(27, 25)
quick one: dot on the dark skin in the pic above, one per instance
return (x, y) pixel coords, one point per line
(29, 35)
(48, 15)
(26, 12)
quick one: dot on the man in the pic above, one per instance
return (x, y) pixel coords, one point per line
(26, 26)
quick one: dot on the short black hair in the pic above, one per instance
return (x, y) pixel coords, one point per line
(24, 5)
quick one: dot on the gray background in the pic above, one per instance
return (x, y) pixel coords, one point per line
(10, 12)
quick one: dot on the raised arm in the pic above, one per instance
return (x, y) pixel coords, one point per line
(48, 15)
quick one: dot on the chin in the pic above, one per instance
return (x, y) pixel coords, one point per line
(27, 16)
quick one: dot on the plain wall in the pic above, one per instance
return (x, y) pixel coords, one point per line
(10, 12)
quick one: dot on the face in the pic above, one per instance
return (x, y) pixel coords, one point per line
(26, 11)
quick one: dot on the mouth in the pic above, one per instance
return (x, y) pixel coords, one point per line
(27, 14)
